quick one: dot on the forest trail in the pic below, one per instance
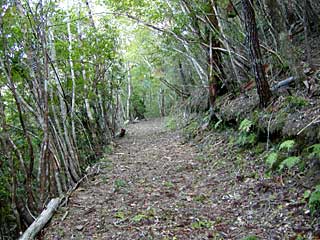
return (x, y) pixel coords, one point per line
(155, 186)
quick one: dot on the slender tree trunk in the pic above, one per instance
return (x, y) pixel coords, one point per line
(262, 84)
(61, 144)
(306, 29)
(5, 139)
(215, 68)
(31, 199)
(227, 45)
(69, 153)
(129, 89)
(161, 102)
(44, 158)
(13, 190)
(90, 14)
(83, 72)
(278, 26)
(213, 83)
(73, 96)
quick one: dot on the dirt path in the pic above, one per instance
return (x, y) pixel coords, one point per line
(156, 187)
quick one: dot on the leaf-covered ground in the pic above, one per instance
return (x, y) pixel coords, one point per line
(156, 186)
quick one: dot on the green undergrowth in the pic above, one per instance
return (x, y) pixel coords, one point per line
(250, 238)
(279, 156)
(171, 123)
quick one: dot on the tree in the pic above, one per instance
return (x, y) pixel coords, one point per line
(262, 84)
(48, 135)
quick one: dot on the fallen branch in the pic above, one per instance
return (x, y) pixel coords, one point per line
(42, 220)
(274, 53)
(312, 122)
(92, 171)
(283, 83)
(53, 205)
(174, 88)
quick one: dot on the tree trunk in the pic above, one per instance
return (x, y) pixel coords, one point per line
(68, 152)
(72, 113)
(92, 126)
(216, 73)
(235, 72)
(7, 72)
(306, 29)
(278, 26)
(5, 139)
(161, 102)
(129, 94)
(263, 88)
(45, 152)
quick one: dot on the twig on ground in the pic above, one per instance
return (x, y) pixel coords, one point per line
(308, 125)
(68, 194)
(64, 216)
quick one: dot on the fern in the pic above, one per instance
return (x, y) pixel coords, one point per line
(314, 201)
(288, 145)
(245, 125)
(289, 162)
(315, 150)
(246, 139)
(272, 159)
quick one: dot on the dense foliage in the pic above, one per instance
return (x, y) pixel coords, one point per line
(58, 102)
(71, 75)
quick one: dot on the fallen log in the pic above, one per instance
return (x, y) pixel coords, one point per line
(283, 84)
(280, 85)
(42, 220)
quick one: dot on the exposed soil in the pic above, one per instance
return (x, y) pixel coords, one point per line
(156, 186)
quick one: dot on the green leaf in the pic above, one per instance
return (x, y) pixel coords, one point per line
(120, 215)
(314, 201)
(272, 159)
(120, 183)
(287, 145)
(315, 150)
(245, 125)
(250, 238)
(205, 224)
(139, 218)
(289, 163)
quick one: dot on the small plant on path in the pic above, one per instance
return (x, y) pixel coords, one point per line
(281, 159)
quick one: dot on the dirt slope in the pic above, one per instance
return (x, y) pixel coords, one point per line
(156, 187)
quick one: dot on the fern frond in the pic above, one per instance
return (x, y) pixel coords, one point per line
(315, 150)
(314, 201)
(289, 162)
(272, 159)
(287, 145)
(245, 125)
